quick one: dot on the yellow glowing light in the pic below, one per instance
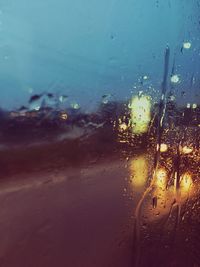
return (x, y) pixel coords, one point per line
(139, 171)
(161, 177)
(186, 182)
(140, 114)
(187, 150)
(163, 148)
(123, 127)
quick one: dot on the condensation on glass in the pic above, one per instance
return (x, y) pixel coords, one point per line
(99, 133)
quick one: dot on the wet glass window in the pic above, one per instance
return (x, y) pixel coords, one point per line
(99, 133)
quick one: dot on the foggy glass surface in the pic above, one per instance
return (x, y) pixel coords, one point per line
(99, 133)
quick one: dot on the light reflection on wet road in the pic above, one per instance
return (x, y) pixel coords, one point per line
(112, 213)
(76, 217)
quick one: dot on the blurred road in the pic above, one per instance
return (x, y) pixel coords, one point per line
(74, 217)
(109, 213)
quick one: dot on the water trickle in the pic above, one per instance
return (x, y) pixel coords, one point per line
(154, 202)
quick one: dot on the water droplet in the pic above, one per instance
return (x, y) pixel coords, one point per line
(35, 102)
(63, 116)
(183, 93)
(175, 78)
(106, 98)
(140, 93)
(63, 98)
(35, 106)
(172, 98)
(34, 98)
(145, 77)
(187, 45)
(144, 226)
(188, 105)
(194, 106)
(75, 105)
(163, 148)
(112, 36)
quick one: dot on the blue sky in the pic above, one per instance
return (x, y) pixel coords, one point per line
(89, 48)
